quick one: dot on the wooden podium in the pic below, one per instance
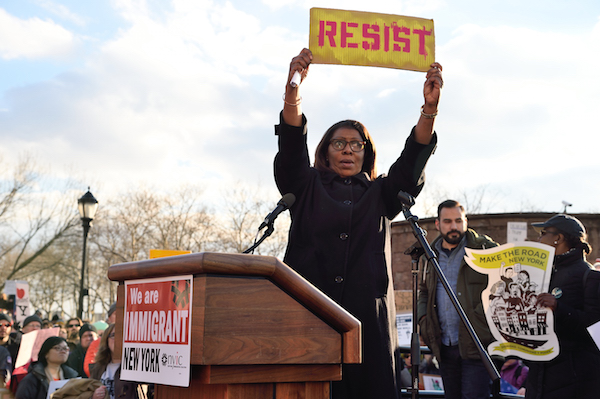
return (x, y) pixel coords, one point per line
(259, 329)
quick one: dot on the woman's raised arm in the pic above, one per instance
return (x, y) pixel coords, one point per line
(292, 111)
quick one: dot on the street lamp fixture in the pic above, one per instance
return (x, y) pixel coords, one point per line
(87, 205)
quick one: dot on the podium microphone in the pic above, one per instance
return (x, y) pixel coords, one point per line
(406, 199)
(284, 203)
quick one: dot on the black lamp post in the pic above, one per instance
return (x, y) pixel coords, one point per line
(87, 205)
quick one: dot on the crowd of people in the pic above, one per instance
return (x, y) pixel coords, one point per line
(78, 350)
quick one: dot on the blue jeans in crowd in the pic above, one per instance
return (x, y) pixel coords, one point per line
(463, 378)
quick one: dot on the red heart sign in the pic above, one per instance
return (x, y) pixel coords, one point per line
(20, 293)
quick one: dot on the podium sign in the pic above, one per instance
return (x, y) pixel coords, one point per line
(156, 331)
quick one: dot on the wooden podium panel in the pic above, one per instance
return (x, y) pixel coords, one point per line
(269, 373)
(252, 321)
(259, 330)
(299, 390)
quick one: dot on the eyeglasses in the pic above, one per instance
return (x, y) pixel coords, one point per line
(61, 348)
(73, 325)
(4, 325)
(544, 232)
(340, 144)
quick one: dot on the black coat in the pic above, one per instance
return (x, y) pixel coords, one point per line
(339, 240)
(35, 384)
(76, 358)
(575, 372)
(13, 344)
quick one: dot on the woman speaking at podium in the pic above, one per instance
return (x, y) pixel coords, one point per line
(340, 222)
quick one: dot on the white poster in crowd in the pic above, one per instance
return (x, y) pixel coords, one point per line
(433, 382)
(54, 386)
(156, 331)
(31, 343)
(404, 326)
(516, 231)
(517, 274)
(22, 304)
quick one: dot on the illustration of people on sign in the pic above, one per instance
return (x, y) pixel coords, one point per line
(517, 274)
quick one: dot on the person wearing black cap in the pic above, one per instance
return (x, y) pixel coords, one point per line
(573, 298)
(49, 367)
(31, 323)
(87, 334)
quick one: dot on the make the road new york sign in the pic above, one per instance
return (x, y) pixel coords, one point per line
(517, 274)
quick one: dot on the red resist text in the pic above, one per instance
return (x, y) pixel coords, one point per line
(398, 36)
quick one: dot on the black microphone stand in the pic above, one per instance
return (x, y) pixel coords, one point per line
(267, 233)
(408, 201)
(415, 251)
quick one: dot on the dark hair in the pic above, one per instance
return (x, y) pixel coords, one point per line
(77, 319)
(368, 166)
(449, 204)
(579, 242)
(48, 344)
(104, 355)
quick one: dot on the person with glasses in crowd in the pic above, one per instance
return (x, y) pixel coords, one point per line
(107, 369)
(50, 367)
(574, 300)
(31, 323)
(340, 222)
(73, 326)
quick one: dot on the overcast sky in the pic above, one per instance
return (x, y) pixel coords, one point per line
(163, 93)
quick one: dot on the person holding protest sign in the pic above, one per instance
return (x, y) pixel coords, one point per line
(340, 222)
(574, 300)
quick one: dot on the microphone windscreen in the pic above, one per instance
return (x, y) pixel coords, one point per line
(407, 199)
(288, 199)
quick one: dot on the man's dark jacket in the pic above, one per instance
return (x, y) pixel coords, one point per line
(76, 358)
(469, 286)
(12, 344)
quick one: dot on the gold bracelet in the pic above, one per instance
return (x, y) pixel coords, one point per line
(291, 104)
(428, 116)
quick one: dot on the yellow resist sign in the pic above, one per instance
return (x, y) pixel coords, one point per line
(370, 39)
